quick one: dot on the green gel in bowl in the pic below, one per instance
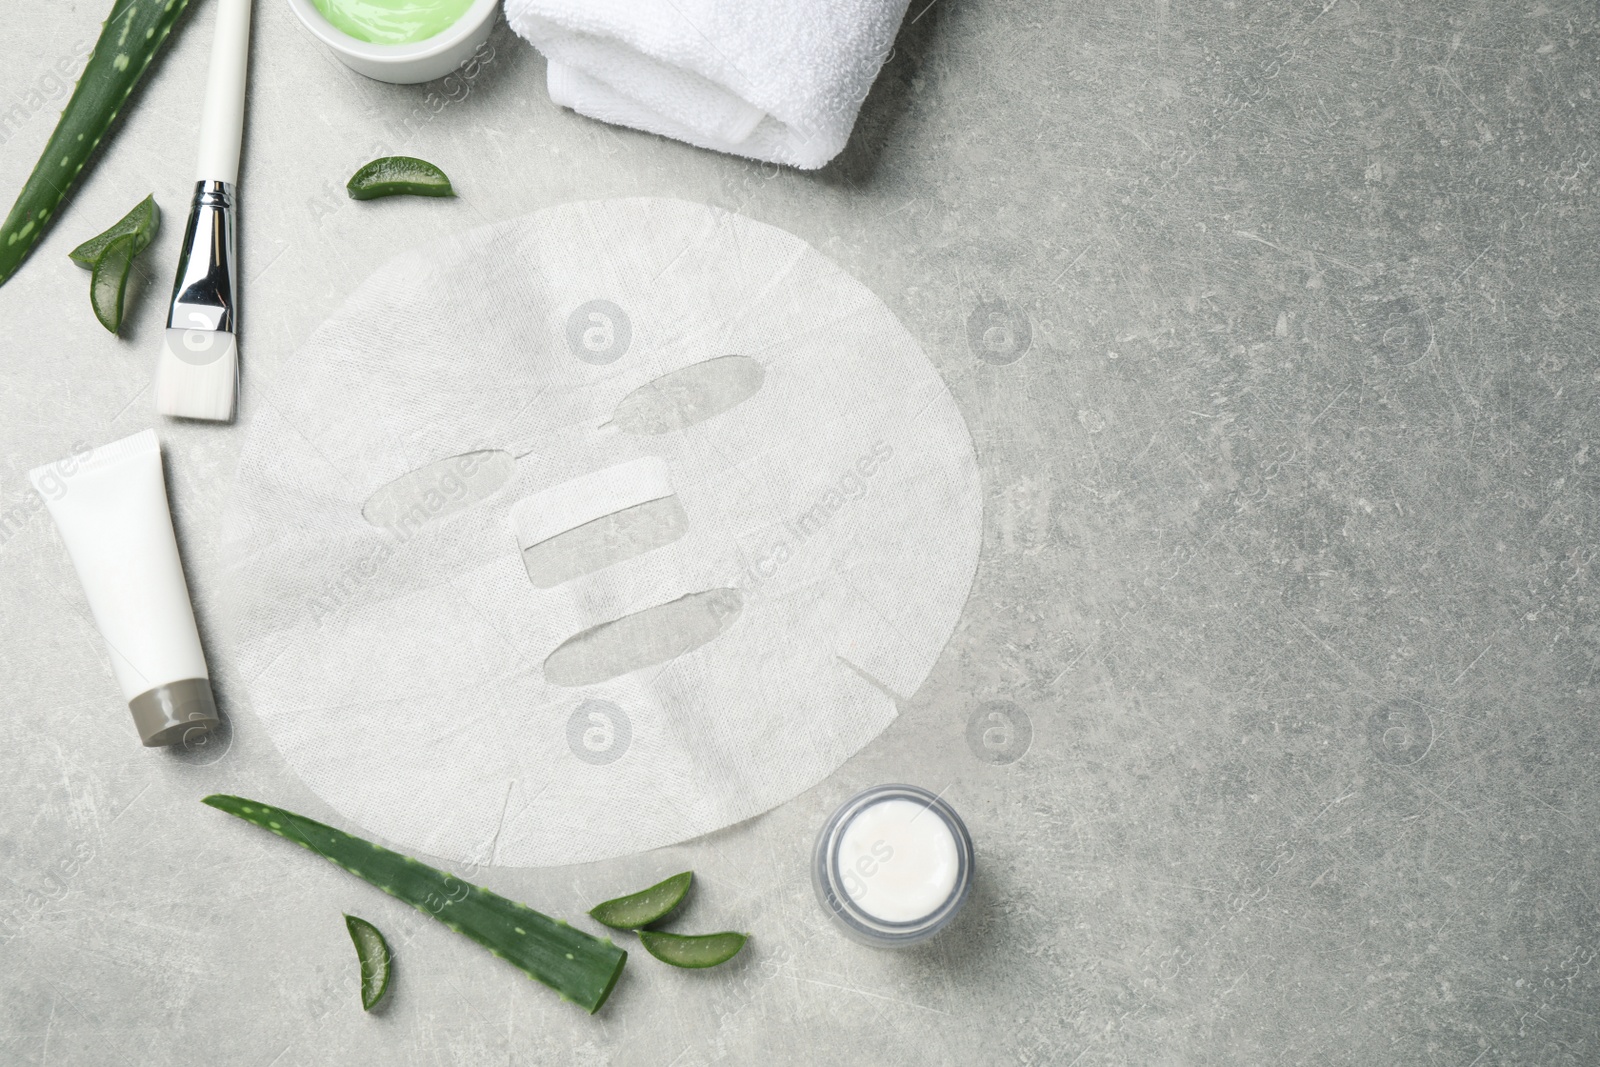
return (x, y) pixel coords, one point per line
(392, 21)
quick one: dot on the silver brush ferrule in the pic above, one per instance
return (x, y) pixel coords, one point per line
(204, 295)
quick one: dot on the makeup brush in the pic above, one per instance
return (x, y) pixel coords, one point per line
(197, 376)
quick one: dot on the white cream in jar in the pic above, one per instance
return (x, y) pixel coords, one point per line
(893, 865)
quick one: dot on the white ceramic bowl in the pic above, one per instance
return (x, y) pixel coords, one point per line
(405, 64)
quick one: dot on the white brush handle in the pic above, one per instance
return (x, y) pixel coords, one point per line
(222, 116)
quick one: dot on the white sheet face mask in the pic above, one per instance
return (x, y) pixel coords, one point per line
(594, 531)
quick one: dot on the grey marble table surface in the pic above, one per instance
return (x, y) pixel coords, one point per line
(1274, 326)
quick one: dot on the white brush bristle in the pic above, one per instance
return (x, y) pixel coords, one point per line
(201, 383)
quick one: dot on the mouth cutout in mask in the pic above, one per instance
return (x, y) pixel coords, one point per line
(594, 531)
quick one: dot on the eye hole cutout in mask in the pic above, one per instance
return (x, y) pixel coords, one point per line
(437, 489)
(692, 394)
(596, 520)
(646, 638)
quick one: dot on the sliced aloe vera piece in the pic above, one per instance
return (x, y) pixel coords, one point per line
(398, 176)
(143, 222)
(692, 950)
(110, 280)
(580, 967)
(130, 38)
(373, 953)
(644, 907)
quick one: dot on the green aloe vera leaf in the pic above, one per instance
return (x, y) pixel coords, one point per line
(398, 176)
(580, 967)
(110, 280)
(130, 38)
(692, 950)
(372, 951)
(644, 907)
(143, 222)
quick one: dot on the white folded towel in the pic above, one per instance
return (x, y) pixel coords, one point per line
(775, 80)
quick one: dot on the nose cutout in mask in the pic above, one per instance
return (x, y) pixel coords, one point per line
(695, 393)
(437, 489)
(596, 520)
(599, 543)
(640, 522)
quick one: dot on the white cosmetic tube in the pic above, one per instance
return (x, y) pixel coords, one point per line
(111, 508)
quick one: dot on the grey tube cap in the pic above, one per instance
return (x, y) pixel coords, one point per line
(168, 714)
